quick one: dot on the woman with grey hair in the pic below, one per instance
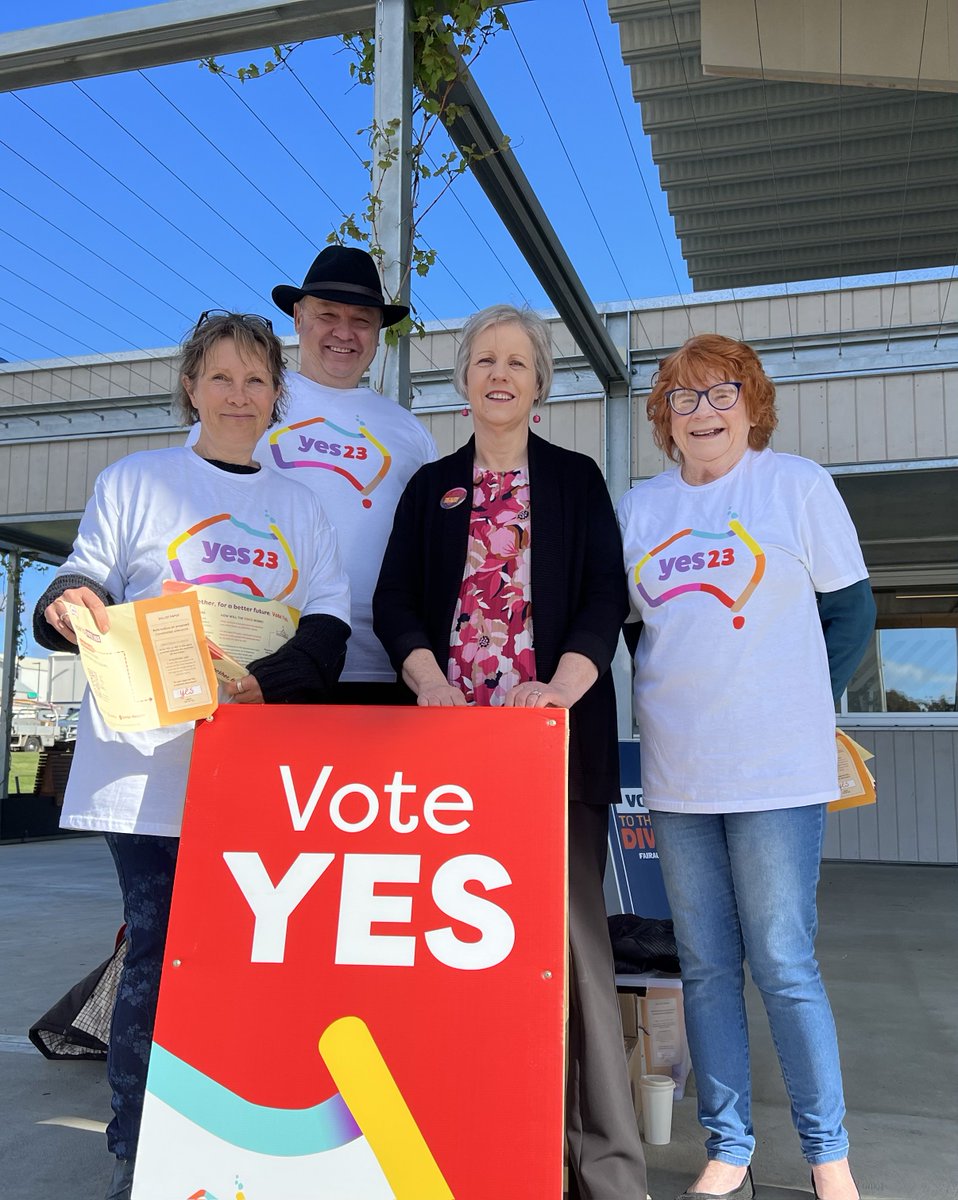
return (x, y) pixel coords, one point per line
(201, 514)
(501, 585)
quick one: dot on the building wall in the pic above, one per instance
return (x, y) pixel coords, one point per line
(915, 819)
(58, 477)
(858, 377)
(861, 376)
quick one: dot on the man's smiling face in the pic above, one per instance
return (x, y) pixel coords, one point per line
(337, 341)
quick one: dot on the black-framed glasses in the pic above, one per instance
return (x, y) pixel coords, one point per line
(721, 396)
(211, 314)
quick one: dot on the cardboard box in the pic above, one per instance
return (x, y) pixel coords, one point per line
(664, 1042)
(653, 1017)
(635, 1058)
(630, 1004)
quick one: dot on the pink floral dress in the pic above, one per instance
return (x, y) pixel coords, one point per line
(491, 645)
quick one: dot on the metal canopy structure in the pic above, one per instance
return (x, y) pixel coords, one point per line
(178, 30)
(512, 196)
(175, 31)
(774, 170)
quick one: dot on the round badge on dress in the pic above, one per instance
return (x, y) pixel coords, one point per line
(453, 497)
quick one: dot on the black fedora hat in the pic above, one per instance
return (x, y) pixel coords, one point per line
(345, 275)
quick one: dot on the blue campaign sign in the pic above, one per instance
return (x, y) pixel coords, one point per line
(634, 858)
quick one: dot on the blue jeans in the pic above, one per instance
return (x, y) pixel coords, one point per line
(742, 885)
(144, 867)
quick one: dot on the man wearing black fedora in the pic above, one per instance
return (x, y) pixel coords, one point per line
(354, 447)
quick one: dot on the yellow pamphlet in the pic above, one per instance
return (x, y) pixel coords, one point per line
(856, 783)
(152, 667)
(239, 629)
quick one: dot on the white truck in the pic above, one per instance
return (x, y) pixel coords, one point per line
(34, 726)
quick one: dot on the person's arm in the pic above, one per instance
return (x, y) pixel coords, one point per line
(593, 634)
(424, 676)
(632, 631)
(573, 677)
(95, 573)
(304, 669)
(399, 602)
(604, 604)
(51, 624)
(848, 621)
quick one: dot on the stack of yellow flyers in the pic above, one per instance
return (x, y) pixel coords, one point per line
(855, 782)
(151, 667)
(239, 629)
(159, 661)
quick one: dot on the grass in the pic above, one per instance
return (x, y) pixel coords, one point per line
(23, 770)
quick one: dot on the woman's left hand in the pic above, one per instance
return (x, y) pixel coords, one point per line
(245, 691)
(537, 695)
(574, 676)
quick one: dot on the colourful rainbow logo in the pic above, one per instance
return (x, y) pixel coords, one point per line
(736, 604)
(272, 534)
(360, 434)
(364, 1135)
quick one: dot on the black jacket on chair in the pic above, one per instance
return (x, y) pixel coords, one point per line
(579, 596)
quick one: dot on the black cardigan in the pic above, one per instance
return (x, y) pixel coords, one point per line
(579, 596)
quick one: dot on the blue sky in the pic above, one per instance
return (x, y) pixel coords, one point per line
(121, 217)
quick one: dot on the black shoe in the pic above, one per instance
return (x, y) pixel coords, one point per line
(744, 1191)
(122, 1182)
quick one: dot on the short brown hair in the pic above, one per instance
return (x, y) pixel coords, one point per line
(253, 336)
(710, 354)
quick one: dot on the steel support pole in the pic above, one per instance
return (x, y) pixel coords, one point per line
(11, 621)
(618, 479)
(393, 101)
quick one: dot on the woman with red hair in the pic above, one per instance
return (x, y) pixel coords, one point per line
(749, 589)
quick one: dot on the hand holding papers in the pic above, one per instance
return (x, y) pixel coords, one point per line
(239, 629)
(158, 662)
(152, 666)
(856, 784)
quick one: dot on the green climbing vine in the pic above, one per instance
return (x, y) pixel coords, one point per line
(6, 566)
(443, 43)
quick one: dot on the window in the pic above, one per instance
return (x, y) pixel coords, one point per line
(911, 664)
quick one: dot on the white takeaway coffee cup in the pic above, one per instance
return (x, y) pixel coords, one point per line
(656, 1092)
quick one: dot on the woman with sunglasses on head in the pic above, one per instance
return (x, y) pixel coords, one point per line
(203, 514)
(748, 587)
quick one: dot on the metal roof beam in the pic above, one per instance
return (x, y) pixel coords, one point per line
(715, 277)
(935, 203)
(173, 31)
(504, 182)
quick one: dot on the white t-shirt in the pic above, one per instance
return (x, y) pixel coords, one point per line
(168, 514)
(356, 450)
(732, 693)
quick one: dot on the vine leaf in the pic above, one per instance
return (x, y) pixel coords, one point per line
(442, 43)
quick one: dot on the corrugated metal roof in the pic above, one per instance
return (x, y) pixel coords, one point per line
(775, 181)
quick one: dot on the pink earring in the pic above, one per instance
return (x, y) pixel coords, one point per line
(536, 418)
(465, 410)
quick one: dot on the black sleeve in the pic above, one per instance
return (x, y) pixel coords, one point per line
(604, 601)
(43, 633)
(304, 669)
(848, 620)
(399, 600)
(632, 631)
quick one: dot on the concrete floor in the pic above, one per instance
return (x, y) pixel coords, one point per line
(888, 946)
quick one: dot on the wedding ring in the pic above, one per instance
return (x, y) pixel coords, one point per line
(239, 685)
(536, 692)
